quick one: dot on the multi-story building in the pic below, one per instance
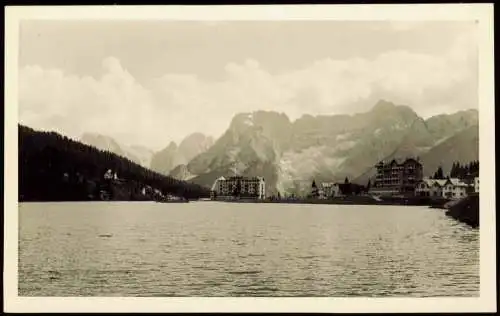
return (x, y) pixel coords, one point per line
(476, 184)
(249, 187)
(394, 178)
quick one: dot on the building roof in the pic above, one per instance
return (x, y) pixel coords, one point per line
(443, 182)
(244, 178)
(428, 181)
(328, 184)
(458, 182)
(411, 160)
(398, 162)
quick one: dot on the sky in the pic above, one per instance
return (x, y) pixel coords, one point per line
(152, 82)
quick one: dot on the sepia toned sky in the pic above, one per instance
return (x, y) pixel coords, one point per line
(151, 82)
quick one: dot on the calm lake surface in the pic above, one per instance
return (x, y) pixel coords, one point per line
(229, 249)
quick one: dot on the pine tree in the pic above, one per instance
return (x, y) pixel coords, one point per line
(453, 172)
(439, 174)
(463, 171)
(314, 189)
(469, 167)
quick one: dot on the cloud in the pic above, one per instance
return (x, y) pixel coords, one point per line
(114, 104)
(174, 105)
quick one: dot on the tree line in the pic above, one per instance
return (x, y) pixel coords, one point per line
(53, 167)
(458, 170)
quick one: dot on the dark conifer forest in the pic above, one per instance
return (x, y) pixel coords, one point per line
(53, 167)
(458, 170)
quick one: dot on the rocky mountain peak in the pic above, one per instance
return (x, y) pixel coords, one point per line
(383, 105)
(171, 146)
(102, 142)
(262, 119)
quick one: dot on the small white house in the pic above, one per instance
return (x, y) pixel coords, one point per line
(108, 175)
(459, 188)
(423, 187)
(330, 189)
(447, 189)
(429, 187)
(476, 184)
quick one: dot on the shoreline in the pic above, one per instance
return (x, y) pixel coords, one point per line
(358, 200)
(350, 200)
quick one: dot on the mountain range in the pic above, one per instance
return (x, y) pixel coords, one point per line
(174, 156)
(289, 154)
(162, 161)
(136, 153)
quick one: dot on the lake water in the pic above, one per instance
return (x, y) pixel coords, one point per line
(229, 249)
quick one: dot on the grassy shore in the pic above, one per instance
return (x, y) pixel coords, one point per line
(466, 210)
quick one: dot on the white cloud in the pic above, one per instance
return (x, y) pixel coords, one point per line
(114, 104)
(175, 105)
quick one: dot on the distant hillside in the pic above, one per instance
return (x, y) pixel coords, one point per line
(464, 146)
(53, 167)
(173, 156)
(446, 125)
(138, 154)
(166, 159)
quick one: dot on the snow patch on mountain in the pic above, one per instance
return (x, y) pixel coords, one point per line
(443, 139)
(346, 145)
(342, 136)
(305, 165)
(248, 120)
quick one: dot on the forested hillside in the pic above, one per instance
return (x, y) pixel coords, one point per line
(53, 167)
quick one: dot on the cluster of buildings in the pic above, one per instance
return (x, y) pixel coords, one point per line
(328, 190)
(393, 178)
(146, 191)
(406, 178)
(450, 188)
